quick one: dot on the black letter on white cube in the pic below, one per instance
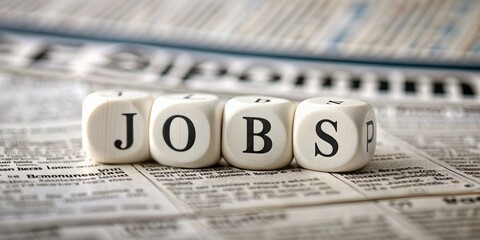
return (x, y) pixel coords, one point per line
(327, 138)
(263, 134)
(118, 142)
(191, 133)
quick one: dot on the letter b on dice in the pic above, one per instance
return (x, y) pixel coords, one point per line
(257, 132)
(334, 135)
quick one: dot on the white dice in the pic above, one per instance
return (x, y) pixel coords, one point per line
(185, 130)
(115, 126)
(333, 134)
(257, 132)
(250, 132)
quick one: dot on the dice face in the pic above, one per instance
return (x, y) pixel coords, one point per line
(115, 126)
(185, 130)
(334, 135)
(257, 132)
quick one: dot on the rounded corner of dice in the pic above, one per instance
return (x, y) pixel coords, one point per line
(195, 130)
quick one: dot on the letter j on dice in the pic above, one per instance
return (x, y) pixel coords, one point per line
(115, 126)
(334, 134)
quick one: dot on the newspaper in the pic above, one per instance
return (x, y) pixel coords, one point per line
(423, 182)
(426, 32)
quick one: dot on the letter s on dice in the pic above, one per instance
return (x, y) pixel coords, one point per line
(333, 134)
(258, 132)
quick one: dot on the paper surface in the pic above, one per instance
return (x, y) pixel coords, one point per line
(424, 32)
(423, 182)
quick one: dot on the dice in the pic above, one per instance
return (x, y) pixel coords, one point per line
(333, 134)
(251, 132)
(185, 130)
(115, 126)
(257, 132)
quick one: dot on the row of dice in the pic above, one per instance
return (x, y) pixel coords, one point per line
(250, 132)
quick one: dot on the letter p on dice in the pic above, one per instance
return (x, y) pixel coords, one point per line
(334, 135)
(115, 126)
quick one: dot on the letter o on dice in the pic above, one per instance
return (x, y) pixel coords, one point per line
(185, 130)
(257, 132)
(333, 134)
(115, 126)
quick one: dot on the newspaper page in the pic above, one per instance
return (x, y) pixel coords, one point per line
(43, 170)
(426, 159)
(445, 217)
(421, 31)
(446, 134)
